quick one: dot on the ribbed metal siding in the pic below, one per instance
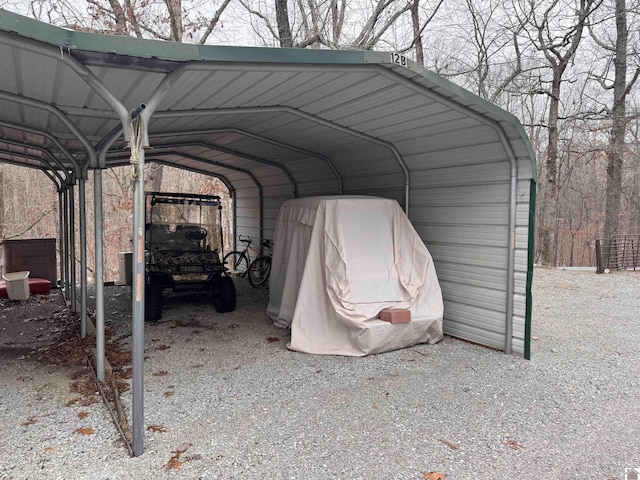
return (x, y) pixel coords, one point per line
(462, 214)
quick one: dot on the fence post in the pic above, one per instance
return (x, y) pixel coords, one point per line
(599, 268)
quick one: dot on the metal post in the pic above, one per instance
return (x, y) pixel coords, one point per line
(61, 236)
(72, 246)
(138, 293)
(65, 241)
(99, 234)
(83, 257)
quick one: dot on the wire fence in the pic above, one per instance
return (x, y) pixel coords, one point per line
(618, 252)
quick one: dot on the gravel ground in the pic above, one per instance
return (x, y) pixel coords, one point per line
(225, 399)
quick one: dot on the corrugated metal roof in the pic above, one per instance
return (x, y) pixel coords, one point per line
(280, 123)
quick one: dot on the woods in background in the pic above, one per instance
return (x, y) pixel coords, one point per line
(566, 68)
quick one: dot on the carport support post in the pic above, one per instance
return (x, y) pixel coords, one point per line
(83, 256)
(61, 234)
(72, 246)
(138, 135)
(65, 241)
(99, 276)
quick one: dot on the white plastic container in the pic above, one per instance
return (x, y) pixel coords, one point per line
(17, 285)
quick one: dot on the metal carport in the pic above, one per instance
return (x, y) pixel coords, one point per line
(275, 124)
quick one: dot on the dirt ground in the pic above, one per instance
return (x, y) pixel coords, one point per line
(42, 329)
(29, 326)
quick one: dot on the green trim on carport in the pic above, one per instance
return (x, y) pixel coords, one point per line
(530, 257)
(184, 52)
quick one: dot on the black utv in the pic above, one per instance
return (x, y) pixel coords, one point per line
(184, 251)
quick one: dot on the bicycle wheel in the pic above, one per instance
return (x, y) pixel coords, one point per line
(259, 271)
(236, 263)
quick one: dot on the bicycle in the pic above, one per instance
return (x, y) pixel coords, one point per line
(240, 262)
(260, 268)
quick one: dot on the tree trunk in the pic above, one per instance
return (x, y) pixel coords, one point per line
(120, 16)
(174, 7)
(619, 124)
(548, 248)
(558, 62)
(417, 37)
(156, 172)
(284, 29)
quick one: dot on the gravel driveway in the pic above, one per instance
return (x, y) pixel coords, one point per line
(225, 399)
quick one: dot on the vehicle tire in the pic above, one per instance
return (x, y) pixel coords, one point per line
(223, 293)
(236, 263)
(259, 271)
(153, 303)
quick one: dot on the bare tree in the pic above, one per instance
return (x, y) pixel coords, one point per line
(282, 19)
(495, 38)
(556, 33)
(621, 87)
(333, 23)
(171, 20)
(417, 34)
(418, 26)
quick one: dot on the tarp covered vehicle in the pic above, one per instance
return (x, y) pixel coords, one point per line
(337, 263)
(184, 249)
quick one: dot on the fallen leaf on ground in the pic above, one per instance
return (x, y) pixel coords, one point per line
(272, 339)
(48, 449)
(73, 401)
(91, 399)
(84, 386)
(30, 421)
(199, 365)
(161, 373)
(156, 428)
(514, 445)
(82, 415)
(168, 393)
(162, 347)
(452, 445)
(174, 462)
(434, 476)
(85, 431)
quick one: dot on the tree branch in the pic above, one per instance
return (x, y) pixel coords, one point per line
(44, 214)
(214, 21)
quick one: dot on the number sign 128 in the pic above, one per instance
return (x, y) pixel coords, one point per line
(399, 59)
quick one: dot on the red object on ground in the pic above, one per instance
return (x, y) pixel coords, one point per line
(39, 285)
(395, 315)
(36, 286)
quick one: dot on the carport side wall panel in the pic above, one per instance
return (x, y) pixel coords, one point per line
(247, 221)
(271, 207)
(457, 190)
(462, 215)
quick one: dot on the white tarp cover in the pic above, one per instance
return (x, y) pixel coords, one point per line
(337, 262)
